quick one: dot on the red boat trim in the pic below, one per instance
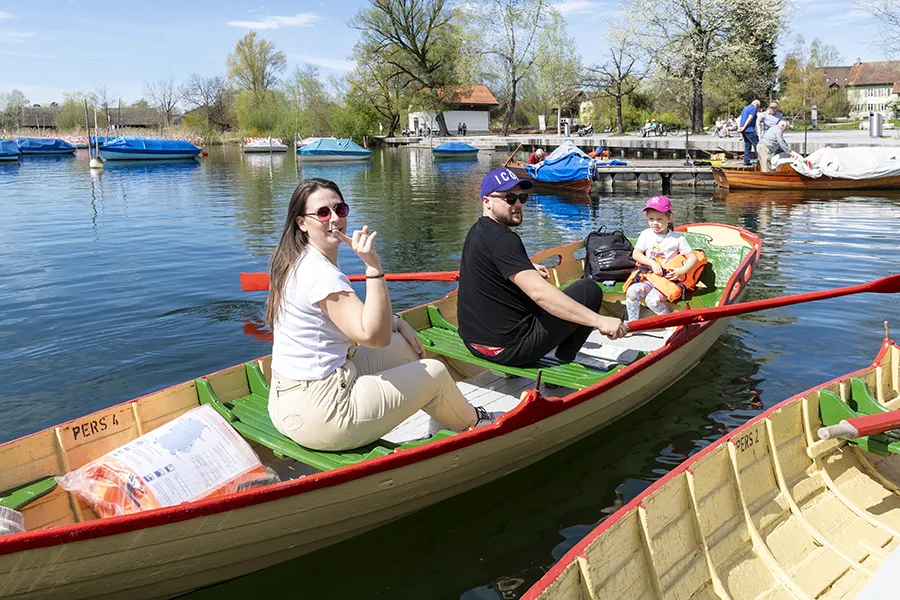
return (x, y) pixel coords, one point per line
(532, 409)
(579, 549)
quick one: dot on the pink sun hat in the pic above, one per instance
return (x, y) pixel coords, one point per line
(660, 203)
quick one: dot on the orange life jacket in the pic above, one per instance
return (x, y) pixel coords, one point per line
(672, 290)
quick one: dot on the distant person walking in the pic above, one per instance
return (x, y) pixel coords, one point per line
(747, 129)
(465, 128)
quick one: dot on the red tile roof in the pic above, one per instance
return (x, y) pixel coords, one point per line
(875, 73)
(839, 75)
(477, 94)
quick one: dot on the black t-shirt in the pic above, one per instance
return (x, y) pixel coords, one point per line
(492, 310)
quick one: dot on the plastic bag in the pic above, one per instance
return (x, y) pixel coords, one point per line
(196, 456)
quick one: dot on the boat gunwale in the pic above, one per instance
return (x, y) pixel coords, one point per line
(579, 548)
(532, 409)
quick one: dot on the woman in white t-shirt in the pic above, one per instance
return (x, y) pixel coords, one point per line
(328, 392)
(657, 245)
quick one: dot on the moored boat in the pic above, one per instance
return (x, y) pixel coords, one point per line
(332, 150)
(567, 168)
(454, 150)
(768, 511)
(857, 168)
(139, 148)
(332, 496)
(264, 145)
(9, 151)
(43, 146)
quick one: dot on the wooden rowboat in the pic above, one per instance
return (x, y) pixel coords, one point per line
(578, 185)
(328, 497)
(786, 178)
(767, 511)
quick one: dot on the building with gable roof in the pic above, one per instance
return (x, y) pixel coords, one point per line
(470, 105)
(870, 87)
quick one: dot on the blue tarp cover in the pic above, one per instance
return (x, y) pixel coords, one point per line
(334, 146)
(28, 144)
(154, 145)
(610, 163)
(454, 148)
(8, 148)
(566, 163)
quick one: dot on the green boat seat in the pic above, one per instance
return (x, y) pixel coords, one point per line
(19, 497)
(249, 415)
(832, 410)
(442, 338)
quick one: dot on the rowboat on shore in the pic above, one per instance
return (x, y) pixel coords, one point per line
(768, 511)
(43, 146)
(326, 497)
(139, 148)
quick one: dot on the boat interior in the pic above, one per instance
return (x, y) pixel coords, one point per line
(774, 512)
(240, 393)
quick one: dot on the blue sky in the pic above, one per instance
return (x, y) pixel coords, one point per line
(48, 47)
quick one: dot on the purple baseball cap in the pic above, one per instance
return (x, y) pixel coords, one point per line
(660, 203)
(501, 180)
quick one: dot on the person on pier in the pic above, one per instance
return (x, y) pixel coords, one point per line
(747, 129)
(507, 310)
(345, 372)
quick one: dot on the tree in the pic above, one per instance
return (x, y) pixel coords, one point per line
(802, 78)
(372, 80)
(71, 113)
(558, 72)
(164, 97)
(12, 106)
(686, 39)
(207, 95)
(886, 14)
(509, 30)
(420, 45)
(255, 65)
(620, 76)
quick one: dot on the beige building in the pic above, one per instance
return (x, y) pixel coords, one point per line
(870, 86)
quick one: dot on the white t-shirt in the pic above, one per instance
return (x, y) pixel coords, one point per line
(308, 345)
(661, 248)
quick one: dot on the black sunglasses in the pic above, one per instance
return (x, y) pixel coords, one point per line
(511, 198)
(341, 209)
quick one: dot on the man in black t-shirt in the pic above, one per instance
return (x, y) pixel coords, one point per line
(508, 313)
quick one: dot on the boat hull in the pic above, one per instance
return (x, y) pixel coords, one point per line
(145, 155)
(330, 158)
(267, 149)
(46, 152)
(579, 185)
(757, 514)
(201, 543)
(787, 178)
(11, 158)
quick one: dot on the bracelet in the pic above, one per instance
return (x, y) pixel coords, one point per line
(379, 276)
(395, 323)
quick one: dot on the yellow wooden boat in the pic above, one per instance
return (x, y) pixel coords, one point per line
(768, 511)
(325, 497)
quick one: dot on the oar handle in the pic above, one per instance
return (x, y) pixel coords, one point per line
(862, 426)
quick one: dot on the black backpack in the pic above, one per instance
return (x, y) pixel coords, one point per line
(607, 255)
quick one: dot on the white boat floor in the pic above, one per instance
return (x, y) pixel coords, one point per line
(500, 394)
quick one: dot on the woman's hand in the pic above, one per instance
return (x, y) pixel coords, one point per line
(409, 334)
(363, 244)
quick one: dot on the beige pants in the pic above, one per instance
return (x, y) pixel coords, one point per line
(375, 390)
(765, 157)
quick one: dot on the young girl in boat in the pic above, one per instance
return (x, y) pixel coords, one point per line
(656, 246)
(328, 393)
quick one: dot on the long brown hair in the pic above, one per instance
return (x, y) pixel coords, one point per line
(292, 245)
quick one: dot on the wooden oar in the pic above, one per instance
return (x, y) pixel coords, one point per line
(885, 285)
(255, 282)
(862, 426)
(511, 155)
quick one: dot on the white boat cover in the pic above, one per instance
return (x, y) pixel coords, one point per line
(868, 162)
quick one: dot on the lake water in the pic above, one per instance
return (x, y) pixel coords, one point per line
(119, 284)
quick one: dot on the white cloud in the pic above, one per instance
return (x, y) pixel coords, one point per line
(329, 63)
(571, 7)
(5, 15)
(16, 37)
(298, 20)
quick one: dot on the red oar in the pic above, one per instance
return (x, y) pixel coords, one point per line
(862, 426)
(254, 282)
(885, 285)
